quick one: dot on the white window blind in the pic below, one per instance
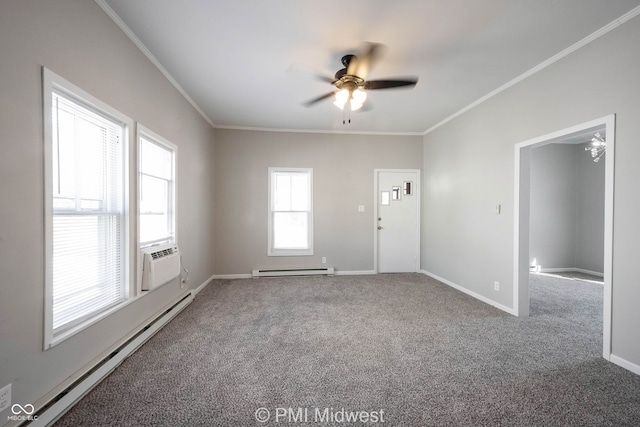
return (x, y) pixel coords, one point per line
(291, 216)
(88, 209)
(157, 190)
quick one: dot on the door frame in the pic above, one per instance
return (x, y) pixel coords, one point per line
(418, 193)
(522, 211)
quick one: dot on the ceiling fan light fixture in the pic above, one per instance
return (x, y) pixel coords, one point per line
(342, 96)
(357, 99)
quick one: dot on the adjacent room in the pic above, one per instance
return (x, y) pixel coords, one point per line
(321, 213)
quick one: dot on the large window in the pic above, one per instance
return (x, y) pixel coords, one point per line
(157, 188)
(290, 212)
(86, 203)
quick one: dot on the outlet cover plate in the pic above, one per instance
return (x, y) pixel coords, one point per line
(5, 397)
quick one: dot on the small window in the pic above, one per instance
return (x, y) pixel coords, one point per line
(86, 205)
(157, 188)
(290, 212)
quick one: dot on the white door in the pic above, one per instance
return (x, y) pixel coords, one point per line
(398, 232)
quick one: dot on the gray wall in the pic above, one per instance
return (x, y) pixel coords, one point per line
(343, 179)
(567, 208)
(469, 166)
(78, 41)
(589, 223)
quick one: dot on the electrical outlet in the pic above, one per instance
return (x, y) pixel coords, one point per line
(324, 259)
(496, 286)
(5, 397)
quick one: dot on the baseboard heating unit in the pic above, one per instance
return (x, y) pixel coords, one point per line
(279, 272)
(55, 405)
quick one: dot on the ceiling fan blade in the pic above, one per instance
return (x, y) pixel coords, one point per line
(299, 68)
(388, 84)
(314, 101)
(324, 78)
(362, 63)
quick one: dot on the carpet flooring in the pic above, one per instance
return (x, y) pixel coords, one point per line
(389, 349)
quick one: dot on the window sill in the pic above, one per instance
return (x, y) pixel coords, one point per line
(290, 253)
(62, 336)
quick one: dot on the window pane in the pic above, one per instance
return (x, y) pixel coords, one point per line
(154, 227)
(64, 155)
(87, 159)
(291, 191)
(156, 191)
(86, 265)
(91, 146)
(300, 191)
(282, 192)
(290, 230)
(155, 160)
(154, 195)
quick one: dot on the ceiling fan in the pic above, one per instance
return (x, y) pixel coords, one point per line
(350, 81)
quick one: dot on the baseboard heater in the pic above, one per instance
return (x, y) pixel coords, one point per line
(279, 272)
(56, 406)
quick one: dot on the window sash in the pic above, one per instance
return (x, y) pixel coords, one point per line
(291, 230)
(87, 267)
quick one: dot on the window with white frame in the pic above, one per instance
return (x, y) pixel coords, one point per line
(86, 202)
(156, 164)
(290, 229)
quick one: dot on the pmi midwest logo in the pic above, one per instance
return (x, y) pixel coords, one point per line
(327, 415)
(22, 413)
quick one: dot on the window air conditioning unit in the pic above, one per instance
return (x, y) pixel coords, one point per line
(160, 264)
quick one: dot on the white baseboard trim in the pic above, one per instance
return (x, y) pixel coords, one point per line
(231, 276)
(470, 293)
(625, 364)
(571, 270)
(354, 272)
(204, 284)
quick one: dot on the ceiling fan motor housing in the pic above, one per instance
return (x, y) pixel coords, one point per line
(346, 60)
(349, 83)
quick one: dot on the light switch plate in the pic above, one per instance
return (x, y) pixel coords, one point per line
(360, 208)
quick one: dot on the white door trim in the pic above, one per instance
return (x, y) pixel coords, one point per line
(418, 192)
(521, 219)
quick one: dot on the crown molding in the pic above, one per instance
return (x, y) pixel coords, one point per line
(566, 52)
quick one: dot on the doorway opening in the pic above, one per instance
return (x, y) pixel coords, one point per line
(522, 215)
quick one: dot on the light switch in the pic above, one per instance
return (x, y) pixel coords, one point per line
(498, 208)
(360, 208)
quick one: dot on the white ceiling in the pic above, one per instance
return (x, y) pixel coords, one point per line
(250, 63)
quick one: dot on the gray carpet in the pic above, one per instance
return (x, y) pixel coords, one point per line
(419, 351)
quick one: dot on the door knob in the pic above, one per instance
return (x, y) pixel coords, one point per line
(379, 228)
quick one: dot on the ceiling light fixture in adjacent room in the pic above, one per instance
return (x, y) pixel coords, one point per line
(597, 148)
